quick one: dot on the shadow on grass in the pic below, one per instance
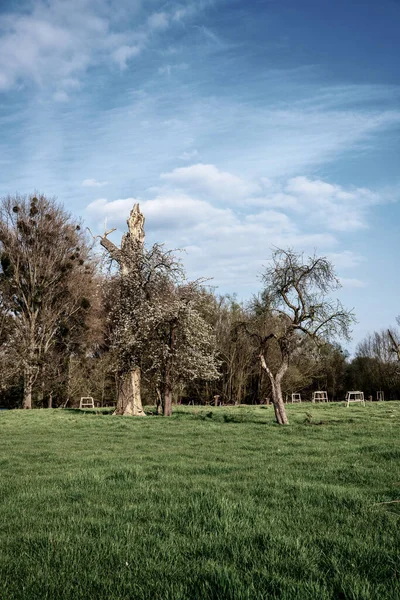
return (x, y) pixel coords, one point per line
(90, 411)
(309, 420)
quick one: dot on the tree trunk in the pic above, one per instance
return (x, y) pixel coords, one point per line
(276, 384)
(167, 395)
(159, 402)
(279, 405)
(28, 386)
(50, 400)
(167, 404)
(129, 398)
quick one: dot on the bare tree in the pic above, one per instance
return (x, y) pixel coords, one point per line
(45, 270)
(294, 307)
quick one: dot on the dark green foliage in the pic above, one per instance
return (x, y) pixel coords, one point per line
(210, 504)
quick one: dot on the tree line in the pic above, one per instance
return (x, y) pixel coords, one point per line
(129, 328)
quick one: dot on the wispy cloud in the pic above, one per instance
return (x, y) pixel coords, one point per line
(170, 68)
(189, 154)
(158, 20)
(57, 41)
(93, 183)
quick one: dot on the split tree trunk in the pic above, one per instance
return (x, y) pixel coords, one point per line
(129, 397)
(276, 385)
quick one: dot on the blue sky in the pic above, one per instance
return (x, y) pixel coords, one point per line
(237, 125)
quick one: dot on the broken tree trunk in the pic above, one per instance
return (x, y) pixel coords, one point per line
(129, 397)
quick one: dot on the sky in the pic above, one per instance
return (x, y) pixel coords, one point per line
(239, 126)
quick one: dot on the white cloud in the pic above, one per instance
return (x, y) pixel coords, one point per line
(161, 212)
(93, 183)
(54, 40)
(209, 180)
(220, 242)
(122, 54)
(232, 242)
(189, 154)
(332, 205)
(158, 20)
(346, 259)
(319, 203)
(61, 96)
(118, 210)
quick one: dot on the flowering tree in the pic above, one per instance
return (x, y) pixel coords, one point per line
(157, 325)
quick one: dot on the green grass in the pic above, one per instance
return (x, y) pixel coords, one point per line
(211, 503)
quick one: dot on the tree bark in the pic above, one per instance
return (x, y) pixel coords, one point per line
(276, 385)
(28, 386)
(159, 402)
(167, 390)
(167, 404)
(167, 395)
(129, 398)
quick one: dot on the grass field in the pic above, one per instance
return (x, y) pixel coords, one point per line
(211, 503)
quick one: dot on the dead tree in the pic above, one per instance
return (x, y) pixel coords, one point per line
(129, 397)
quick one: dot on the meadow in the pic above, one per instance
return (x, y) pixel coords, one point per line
(212, 503)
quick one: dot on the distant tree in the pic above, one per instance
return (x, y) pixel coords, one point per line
(332, 360)
(45, 278)
(293, 309)
(239, 381)
(375, 366)
(395, 343)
